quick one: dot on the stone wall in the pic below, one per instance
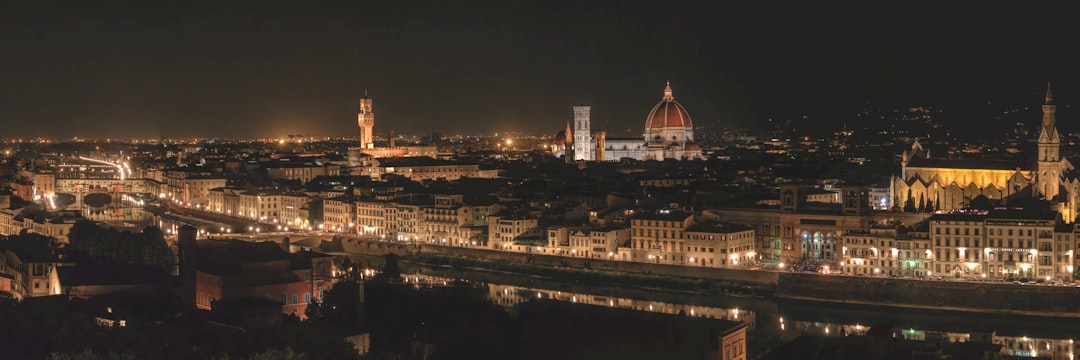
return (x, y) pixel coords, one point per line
(370, 247)
(944, 295)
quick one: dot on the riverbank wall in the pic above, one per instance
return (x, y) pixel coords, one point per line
(996, 298)
(990, 298)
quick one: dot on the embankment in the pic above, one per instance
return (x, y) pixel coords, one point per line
(990, 298)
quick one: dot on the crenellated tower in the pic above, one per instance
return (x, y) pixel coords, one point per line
(366, 120)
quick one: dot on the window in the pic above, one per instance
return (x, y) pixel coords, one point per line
(307, 298)
(295, 298)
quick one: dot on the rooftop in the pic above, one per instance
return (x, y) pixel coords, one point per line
(718, 227)
(416, 161)
(969, 164)
(663, 214)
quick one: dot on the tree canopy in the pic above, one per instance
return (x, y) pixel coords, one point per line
(147, 247)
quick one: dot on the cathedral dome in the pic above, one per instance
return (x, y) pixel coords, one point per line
(560, 138)
(668, 113)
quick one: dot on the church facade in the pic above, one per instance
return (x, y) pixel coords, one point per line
(669, 134)
(949, 184)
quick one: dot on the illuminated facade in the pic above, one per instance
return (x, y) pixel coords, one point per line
(444, 219)
(504, 231)
(261, 205)
(998, 244)
(931, 184)
(451, 222)
(720, 245)
(659, 237)
(292, 209)
(339, 214)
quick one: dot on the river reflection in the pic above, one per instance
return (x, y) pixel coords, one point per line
(509, 296)
(783, 321)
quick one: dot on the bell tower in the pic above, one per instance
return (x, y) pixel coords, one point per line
(582, 133)
(1048, 179)
(366, 120)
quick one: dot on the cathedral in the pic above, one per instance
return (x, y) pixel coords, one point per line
(669, 134)
(949, 184)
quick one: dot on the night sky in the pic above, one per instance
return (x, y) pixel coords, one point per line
(178, 68)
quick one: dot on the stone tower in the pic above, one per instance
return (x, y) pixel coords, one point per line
(582, 133)
(1048, 178)
(366, 119)
(601, 143)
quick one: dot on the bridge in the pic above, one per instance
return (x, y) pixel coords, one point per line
(76, 178)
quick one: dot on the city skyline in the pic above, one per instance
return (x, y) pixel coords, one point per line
(289, 68)
(537, 179)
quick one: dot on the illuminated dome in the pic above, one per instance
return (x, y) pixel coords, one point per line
(668, 113)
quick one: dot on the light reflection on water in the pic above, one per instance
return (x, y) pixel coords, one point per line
(772, 323)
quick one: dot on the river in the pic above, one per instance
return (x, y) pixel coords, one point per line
(771, 322)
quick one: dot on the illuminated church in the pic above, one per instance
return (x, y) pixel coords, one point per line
(669, 134)
(948, 184)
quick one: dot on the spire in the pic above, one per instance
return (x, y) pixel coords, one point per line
(667, 92)
(1049, 94)
(1048, 108)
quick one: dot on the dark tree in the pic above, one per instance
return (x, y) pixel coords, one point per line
(156, 250)
(28, 244)
(339, 306)
(145, 248)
